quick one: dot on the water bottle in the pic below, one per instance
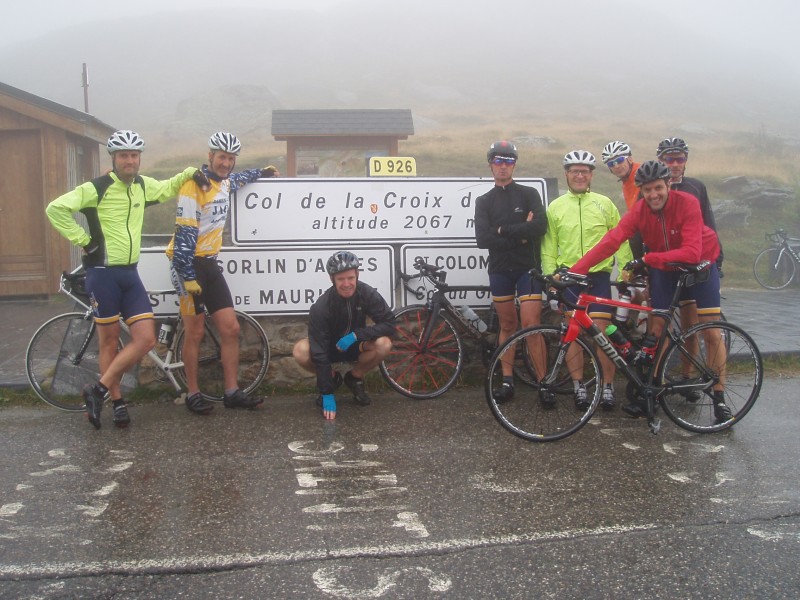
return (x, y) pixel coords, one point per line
(620, 342)
(621, 315)
(165, 333)
(471, 316)
(647, 354)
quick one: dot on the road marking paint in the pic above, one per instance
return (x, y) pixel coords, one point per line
(92, 511)
(411, 523)
(7, 510)
(60, 469)
(57, 452)
(723, 477)
(631, 446)
(345, 464)
(710, 448)
(327, 580)
(322, 509)
(227, 562)
(23, 486)
(118, 468)
(611, 432)
(106, 489)
(680, 477)
(307, 480)
(671, 448)
(369, 447)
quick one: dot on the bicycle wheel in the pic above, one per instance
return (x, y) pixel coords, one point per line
(774, 268)
(737, 372)
(254, 358)
(422, 372)
(529, 415)
(62, 358)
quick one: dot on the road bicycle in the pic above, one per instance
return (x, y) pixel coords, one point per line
(775, 267)
(428, 352)
(63, 356)
(679, 372)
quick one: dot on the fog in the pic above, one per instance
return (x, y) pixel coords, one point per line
(179, 67)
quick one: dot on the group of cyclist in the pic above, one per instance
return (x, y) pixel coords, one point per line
(668, 220)
(580, 230)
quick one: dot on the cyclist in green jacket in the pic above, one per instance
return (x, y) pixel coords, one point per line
(576, 221)
(114, 209)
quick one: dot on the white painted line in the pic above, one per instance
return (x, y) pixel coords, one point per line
(226, 562)
(325, 509)
(23, 486)
(411, 523)
(630, 446)
(57, 452)
(7, 510)
(680, 477)
(118, 468)
(61, 469)
(92, 511)
(106, 489)
(307, 480)
(330, 465)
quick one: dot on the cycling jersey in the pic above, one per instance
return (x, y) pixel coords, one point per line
(576, 222)
(516, 247)
(333, 316)
(676, 233)
(630, 190)
(115, 220)
(697, 188)
(200, 219)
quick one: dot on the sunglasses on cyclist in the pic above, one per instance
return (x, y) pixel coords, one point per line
(500, 160)
(616, 161)
(673, 159)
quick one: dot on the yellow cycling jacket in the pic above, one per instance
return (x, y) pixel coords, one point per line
(575, 223)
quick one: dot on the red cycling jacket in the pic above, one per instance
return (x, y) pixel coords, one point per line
(674, 234)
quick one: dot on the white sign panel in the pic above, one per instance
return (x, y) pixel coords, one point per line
(273, 281)
(324, 211)
(465, 266)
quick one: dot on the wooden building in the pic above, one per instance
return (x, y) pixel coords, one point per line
(335, 143)
(47, 149)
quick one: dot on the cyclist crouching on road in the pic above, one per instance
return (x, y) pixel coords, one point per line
(510, 221)
(197, 276)
(672, 229)
(114, 208)
(338, 332)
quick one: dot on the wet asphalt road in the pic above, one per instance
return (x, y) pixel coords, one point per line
(402, 499)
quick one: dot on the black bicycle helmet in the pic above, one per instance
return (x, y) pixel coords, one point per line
(344, 260)
(651, 170)
(503, 149)
(674, 144)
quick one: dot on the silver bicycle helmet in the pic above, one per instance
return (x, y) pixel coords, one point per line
(344, 260)
(651, 170)
(124, 139)
(503, 149)
(674, 144)
(227, 142)
(580, 157)
(615, 149)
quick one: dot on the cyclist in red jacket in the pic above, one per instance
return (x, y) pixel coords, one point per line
(672, 230)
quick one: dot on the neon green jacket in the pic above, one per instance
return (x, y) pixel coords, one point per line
(115, 220)
(575, 223)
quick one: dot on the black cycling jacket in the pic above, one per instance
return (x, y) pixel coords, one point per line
(697, 188)
(516, 248)
(332, 317)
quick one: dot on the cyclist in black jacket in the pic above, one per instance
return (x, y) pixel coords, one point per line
(510, 221)
(338, 332)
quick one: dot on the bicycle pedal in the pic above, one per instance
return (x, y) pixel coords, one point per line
(655, 426)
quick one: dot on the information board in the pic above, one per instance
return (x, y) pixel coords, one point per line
(285, 212)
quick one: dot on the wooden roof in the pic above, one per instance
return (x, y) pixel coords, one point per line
(356, 122)
(52, 113)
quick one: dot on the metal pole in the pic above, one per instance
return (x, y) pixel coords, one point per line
(85, 88)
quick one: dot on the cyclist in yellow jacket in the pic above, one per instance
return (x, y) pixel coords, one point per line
(576, 221)
(114, 208)
(193, 251)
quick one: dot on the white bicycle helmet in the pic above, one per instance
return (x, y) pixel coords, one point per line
(614, 149)
(344, 260)
(227, 142)
(580, 157)
(124, 139)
